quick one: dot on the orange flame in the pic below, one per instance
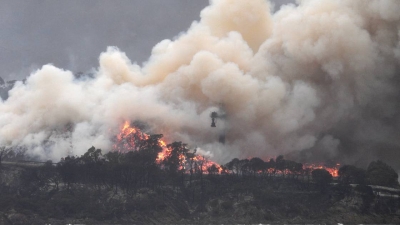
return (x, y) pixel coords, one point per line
(129, 138)
(334, 171)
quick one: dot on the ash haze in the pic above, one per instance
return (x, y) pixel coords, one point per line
(318, 81)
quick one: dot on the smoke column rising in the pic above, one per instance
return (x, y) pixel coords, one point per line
(316, 80)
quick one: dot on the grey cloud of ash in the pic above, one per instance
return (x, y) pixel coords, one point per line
(316, 81)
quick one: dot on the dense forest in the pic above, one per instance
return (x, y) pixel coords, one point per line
(138, 187)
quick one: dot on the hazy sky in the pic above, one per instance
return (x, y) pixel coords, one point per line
(71, 34)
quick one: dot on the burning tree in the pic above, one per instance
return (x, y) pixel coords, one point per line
(177, 158)
(175, 161)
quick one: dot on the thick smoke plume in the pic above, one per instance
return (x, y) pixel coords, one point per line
(318, 80)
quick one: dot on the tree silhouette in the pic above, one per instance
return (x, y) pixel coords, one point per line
(212, 170)
(270, 166)
(174, 162)
(68, 170)
(380, 173)
(280, 164)
(233, 166)
(295, 168)
(351, 175)
(257, 165)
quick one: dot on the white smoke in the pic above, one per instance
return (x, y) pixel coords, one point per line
(305, 77)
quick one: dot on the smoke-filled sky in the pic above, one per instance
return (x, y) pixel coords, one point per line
(314, 81)
(72, 34)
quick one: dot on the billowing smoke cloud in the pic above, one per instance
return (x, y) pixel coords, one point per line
(318, 79)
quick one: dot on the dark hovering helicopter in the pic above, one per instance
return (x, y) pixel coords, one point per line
(214, 116)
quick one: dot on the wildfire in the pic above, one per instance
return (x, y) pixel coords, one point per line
(334, 171)
(129, 139)
(205, 164)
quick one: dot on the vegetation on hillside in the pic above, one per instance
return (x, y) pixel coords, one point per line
(137, 187)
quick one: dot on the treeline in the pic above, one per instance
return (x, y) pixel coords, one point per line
(133, 170)
(181, 175)
(377, 173)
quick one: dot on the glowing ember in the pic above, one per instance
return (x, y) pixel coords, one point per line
(334, 171)
(130, 137)
(164, 153)
(206, 164)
